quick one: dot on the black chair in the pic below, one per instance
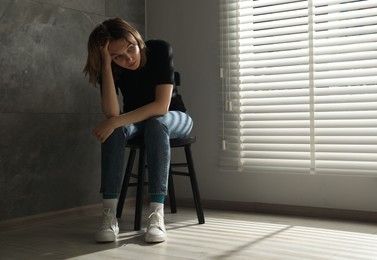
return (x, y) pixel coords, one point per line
(137, 144)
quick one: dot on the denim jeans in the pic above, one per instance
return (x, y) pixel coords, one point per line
(157, 131)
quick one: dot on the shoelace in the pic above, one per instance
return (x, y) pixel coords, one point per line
(107, 220)
(155, 220)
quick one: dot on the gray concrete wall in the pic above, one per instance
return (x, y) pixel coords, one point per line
(49, 160)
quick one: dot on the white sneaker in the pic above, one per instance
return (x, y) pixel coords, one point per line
(156, 230)
(109, 230)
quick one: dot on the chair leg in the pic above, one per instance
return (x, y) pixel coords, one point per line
(126, 181)
(140, 190)
(173, 205)
(194, 185)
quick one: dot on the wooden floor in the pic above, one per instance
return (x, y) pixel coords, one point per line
(226, 235)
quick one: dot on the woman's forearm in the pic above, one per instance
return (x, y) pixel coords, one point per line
(109, 98)
(160, 106)
(140, 114)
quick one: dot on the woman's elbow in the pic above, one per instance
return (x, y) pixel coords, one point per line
(109, 114)
(160, 109)
(160, 112)
(110, 111)
(164, 110)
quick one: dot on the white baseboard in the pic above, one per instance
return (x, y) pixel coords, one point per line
(50, 216)
(302, 211)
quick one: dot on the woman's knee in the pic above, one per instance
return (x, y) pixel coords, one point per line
(156, 123)
(118, 133)
(156, 126)
(117, 136)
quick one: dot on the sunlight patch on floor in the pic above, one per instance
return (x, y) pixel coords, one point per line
(238, 239)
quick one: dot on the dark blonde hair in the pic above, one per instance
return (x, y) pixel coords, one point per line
(110, 30)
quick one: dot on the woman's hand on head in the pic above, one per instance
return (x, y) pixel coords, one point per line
(104, 129)
(105, 55)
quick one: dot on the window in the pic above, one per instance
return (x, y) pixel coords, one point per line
(299, 86)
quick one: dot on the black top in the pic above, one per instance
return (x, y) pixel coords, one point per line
(138, 86)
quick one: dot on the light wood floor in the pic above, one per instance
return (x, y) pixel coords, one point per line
(226, 235)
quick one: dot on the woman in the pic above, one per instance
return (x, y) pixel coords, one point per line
(119, 59)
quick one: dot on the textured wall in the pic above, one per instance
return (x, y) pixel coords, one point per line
(48, 159)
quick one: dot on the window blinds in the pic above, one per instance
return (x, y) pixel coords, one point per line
(299, 86)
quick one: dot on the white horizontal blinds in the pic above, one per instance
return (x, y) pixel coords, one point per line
(229, 134)
(274, 86)
(302, 78)
(345, 79)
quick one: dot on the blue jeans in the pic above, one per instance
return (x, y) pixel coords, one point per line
(157, 131)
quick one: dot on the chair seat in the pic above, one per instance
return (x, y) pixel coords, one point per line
(182, 141)
(138, 142)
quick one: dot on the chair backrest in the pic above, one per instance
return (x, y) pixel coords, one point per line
(177, 97)
(177, 78)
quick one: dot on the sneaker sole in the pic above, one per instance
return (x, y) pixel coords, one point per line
(106, 238)
(154, 239)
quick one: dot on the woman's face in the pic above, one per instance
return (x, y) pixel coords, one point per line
(125, 54)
